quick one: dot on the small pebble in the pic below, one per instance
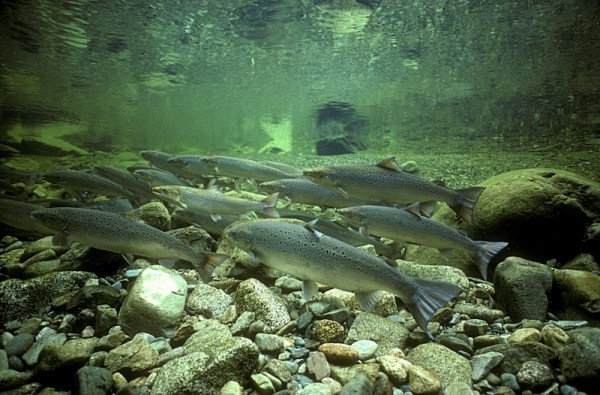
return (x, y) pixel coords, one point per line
(510, 380)
(365, 348)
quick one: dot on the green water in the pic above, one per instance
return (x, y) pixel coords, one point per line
(212, 76)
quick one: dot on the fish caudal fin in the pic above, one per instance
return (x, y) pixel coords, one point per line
(429, 296)
(270, 209)
(208, 264)
(485, 252)
(464, 204)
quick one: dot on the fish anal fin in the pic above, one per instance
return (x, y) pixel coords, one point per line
(367, 300)
(310, 290)
(208, 264)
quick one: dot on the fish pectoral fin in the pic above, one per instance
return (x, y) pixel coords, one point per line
(414, 209)
(215, 217)
(168, 263)
(343, 192)
(208, 264)
(311, 226)
(364, 230)
(128, 257)
(310, 290)
(255, 261)
(60, 239)
(446, 253)
(367, 300)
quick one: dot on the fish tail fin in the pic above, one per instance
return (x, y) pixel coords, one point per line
(464, 204)
(485, 252)
(207, 265)
(429, 296)
(270, 209)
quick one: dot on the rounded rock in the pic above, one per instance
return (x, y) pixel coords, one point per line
(19, 344)
(365, 348)
(328, 331)
(339, 354)
(535, 376)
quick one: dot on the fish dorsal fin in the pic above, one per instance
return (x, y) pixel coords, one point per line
(389, 164)
(312, 227)
(367, 300)
(310, 290)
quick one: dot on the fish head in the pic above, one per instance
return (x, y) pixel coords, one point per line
(353, 215)
(52, 219)
(167, 192)
(143, 175)
(322, 175)
(273, 186)
(240, 236)
(179, 162)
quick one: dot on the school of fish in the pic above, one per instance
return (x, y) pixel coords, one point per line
(377, 200)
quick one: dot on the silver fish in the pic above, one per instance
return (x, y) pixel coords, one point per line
(192, 164)
(214, 202)
(75, 182)
(156, 177)
(305, 191)
(386, 182)
(406, 225)
(139, 188)
(18, 215)
(243, 168)
(161, 160)
(313, 257)
(113, 232)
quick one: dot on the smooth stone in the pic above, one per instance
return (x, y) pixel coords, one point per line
(480, 312)
(261, 384)
(359, 384)
(268, 343)
(554, 337)
(155, 302)
(279, 370)
(578, 293)
(317, 365)
(31, 356)
(339, 354)
(59, 361)
(483, 363)
(19, 344)
(231, 388)
(365, 348)
(525, 335)
(3, 360)
(243, 322)
(395, 368)
(12, 379)
(90, 380)
(510, 380)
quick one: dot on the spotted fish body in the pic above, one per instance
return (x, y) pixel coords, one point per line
(403, 225)
(214, 202)
(313, 257)
(113, 232)
(193, 164)
(387, 183)
(305, 191)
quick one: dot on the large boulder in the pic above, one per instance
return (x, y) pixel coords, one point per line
(542, 213)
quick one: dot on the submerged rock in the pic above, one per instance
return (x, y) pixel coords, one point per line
(522, 288)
